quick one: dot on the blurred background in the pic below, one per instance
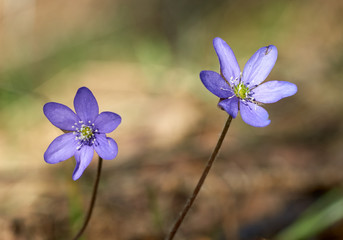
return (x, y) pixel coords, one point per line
(142, 60)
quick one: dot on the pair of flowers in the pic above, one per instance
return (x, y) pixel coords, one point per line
(238, 91)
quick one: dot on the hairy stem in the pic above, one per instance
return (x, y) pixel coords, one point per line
(190, 201)
(91, 205)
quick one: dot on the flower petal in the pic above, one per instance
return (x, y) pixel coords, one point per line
(83, 158)
(273, 91)
(62, 148)
(216, 84)
(106, 122)
(228, 63)
(230, 106)
(106, 147)
(259, 65)
(253, 114)
(86, 105)
(60, 115)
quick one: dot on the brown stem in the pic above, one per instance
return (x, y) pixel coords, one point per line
(190, 201)
(91, 206)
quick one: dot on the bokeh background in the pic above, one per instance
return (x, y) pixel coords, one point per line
(142, 60)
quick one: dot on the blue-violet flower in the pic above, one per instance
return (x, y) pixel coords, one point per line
(85, 131)
(244, 91)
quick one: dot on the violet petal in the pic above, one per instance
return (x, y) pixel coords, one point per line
(230, 106)
(273, 91)
(228, 63)
(83, 158)
(106, 122)
(216, 84)
(253, 114)
(106, 147)
(62, 148)
(60, 115)
(86, 105)
(259, 65)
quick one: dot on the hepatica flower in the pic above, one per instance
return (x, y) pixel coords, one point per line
(243, 90)
(85, 131)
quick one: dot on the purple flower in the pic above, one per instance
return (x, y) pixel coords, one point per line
(85, 131)
(244, 91)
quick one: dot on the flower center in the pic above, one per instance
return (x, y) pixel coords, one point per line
(85, 134)
(241, 91)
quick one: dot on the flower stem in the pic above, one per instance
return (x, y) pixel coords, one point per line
(190, 201)
(91, 205)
